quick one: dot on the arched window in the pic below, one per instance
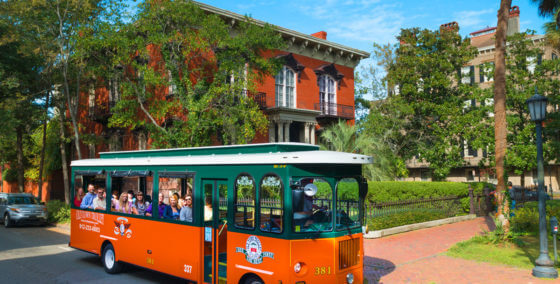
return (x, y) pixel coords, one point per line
(271, 204)
(285, 88)
(244, 201)
(327, 94)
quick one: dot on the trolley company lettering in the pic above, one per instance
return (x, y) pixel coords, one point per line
(253, 251)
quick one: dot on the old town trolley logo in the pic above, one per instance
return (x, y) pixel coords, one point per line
(253, 251)
(122, 227)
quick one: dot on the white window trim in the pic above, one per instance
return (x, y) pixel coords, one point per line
(466, 75)
(335, 88)
(284, 85)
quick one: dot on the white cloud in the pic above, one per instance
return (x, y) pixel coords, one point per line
(473, 19)
(357, 20)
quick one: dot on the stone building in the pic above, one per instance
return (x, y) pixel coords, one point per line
(483, 40)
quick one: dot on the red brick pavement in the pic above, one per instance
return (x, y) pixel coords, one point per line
(416, 257)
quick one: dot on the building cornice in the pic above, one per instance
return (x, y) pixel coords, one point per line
(300, 43)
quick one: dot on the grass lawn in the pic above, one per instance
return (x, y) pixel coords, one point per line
(521, 253)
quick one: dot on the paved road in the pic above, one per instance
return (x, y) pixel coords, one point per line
(42, 255)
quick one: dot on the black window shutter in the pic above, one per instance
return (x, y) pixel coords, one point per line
(472, 74)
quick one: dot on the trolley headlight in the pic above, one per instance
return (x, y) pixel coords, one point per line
(297, 267)
(350, 278)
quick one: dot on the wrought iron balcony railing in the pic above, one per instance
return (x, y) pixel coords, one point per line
(335, 110)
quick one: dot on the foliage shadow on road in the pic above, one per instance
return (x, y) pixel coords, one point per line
(376, 268)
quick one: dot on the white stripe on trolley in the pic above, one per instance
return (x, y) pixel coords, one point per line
(254, 269)
(107, 237)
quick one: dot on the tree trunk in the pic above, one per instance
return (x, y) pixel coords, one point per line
(500, 124)
(65, 58)
(42, 162)
(20, 170)
(64, 159)
(2, 176)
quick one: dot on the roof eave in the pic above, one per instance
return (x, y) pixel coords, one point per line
(287, 33)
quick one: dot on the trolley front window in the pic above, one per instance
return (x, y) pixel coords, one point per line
(347, 204)
(312, 205)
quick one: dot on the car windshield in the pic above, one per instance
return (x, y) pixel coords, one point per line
(22, 200)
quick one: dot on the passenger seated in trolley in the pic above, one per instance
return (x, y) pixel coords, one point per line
(208, 209)
(99, 201)
(140, 204)
(174, 207)
(186, 211)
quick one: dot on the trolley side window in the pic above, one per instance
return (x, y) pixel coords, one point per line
(176, 191)
(131, 191)
(348, 204)
(244, 201)
(86, 181)
(271, 204)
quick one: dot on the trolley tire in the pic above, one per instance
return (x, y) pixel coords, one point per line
(109, 260)
(7, 221)
(253, 279)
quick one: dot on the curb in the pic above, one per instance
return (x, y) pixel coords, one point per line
(417, 226)
(61, 228)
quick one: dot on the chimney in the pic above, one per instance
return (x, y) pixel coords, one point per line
(513, 21)
(321, 35)
(453, 26)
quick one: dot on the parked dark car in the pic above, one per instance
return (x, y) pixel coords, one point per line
(22, 208)
(518, 193)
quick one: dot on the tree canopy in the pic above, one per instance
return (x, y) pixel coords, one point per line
(186, 76)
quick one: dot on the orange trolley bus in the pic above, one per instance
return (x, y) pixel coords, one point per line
(260, 213)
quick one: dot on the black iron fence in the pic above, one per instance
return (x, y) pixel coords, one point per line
(479, 204)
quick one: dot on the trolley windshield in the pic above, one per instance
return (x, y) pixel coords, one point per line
(321, 206)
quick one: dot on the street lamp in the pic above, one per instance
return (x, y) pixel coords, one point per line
(544, 267)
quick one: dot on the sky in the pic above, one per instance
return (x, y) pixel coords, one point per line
(359, 23)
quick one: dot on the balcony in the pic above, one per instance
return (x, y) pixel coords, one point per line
(101, 112)
(260, 99)
(332, 110)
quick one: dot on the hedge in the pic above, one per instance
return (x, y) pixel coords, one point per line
(390, 191)
(386, 191)
(526, 218)
(405, 218)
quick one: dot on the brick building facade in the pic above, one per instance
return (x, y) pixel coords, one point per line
(314, 89)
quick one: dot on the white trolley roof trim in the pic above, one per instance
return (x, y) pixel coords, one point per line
(298, 157)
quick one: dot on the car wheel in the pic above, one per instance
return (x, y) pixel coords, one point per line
(109, 260)
(253, 280)
(7, 221)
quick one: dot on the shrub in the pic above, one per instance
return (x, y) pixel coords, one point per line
(59, 212)
(405, 218)
(10, 175)
(385, 191)
(526, 218)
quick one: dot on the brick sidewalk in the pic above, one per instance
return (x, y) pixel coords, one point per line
(416, 257)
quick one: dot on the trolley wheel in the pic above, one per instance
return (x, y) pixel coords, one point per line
(253, 279)
(7, 221)
(109, 260)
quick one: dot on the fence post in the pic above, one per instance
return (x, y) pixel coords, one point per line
(471, 199)
(487, 200)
